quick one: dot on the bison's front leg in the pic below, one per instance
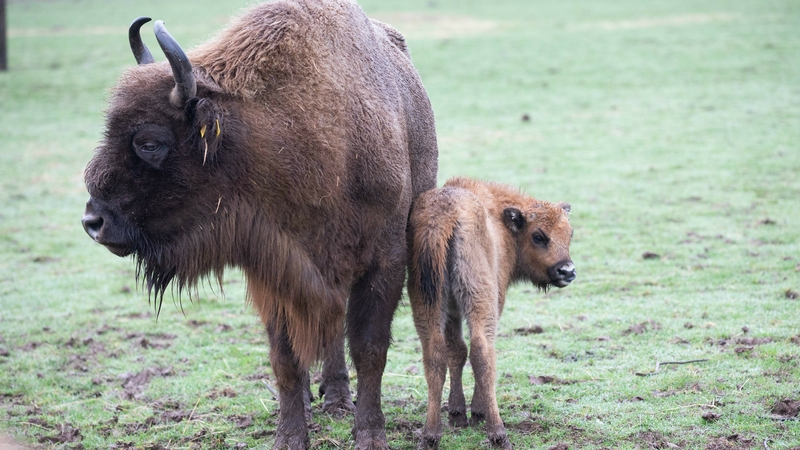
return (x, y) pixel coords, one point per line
(335, 384)
(292, 380)
(373, 300)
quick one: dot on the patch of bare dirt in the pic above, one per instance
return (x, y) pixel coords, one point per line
(791, 295)
(406, 428)
(66, 433)
(524, 331)
(241, 421)
(753, 340)
(134, 384)
(223, 328)
(642, 327)
(262, 373)
(546, 379)
(654, 440)
(732, 442)
(30, 346)
(208, 439)
(786, 408)
(158, 341)
(527, 427)
(136, 315)
(216, 393)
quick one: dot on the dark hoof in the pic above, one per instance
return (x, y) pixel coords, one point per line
(476, 419)
(291, 443)
(458, 419)
(338, 402)
(371, 440)
(338, 407)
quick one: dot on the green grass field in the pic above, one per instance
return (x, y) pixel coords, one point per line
(672, 127)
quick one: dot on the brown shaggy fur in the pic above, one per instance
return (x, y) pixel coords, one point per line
(298, 159)
(471, 239)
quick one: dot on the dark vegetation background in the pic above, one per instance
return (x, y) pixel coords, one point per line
(672, 127)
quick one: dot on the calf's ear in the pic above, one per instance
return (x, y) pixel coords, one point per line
(514, 219)
(207, 123)
(565, 206)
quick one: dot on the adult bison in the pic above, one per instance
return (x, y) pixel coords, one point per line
(291, 145)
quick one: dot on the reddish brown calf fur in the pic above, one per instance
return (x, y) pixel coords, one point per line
(471, 239)
(291, 145)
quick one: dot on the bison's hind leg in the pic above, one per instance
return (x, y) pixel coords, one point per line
(335, 386)
(373, 300)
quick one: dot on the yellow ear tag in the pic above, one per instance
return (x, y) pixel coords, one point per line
(219, 130)
(203, 131)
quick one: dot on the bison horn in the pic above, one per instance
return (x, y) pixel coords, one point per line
(185, 85)
(140, 51)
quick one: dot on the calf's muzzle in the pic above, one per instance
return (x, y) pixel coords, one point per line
(562, 273)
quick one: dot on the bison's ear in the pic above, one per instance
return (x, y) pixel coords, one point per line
(565, 206)
(514, 219)
(207, 124)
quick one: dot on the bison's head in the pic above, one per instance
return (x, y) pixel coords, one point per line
(156, 178)
(542, 236)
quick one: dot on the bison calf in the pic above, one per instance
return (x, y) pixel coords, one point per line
(471, 239)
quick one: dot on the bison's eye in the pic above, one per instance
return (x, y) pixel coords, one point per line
(152, 144)
(149, 147)
(539, 238)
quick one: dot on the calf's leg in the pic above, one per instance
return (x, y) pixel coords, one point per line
(482, 326)
(456, 359)
(427, 319)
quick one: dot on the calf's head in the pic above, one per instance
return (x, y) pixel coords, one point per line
(542, 235)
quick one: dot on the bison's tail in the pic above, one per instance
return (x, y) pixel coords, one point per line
(432, 232)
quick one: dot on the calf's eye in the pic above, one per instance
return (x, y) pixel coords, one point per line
(538, 238)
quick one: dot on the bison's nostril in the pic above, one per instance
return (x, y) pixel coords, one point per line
(92, 223)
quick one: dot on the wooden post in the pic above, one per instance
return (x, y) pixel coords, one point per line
(3, 58)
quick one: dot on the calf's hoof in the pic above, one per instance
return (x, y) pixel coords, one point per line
(429, 442)
(371, 440)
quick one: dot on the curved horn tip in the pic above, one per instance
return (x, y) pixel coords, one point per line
(139, 21)
(140, 51)
(185, 84)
